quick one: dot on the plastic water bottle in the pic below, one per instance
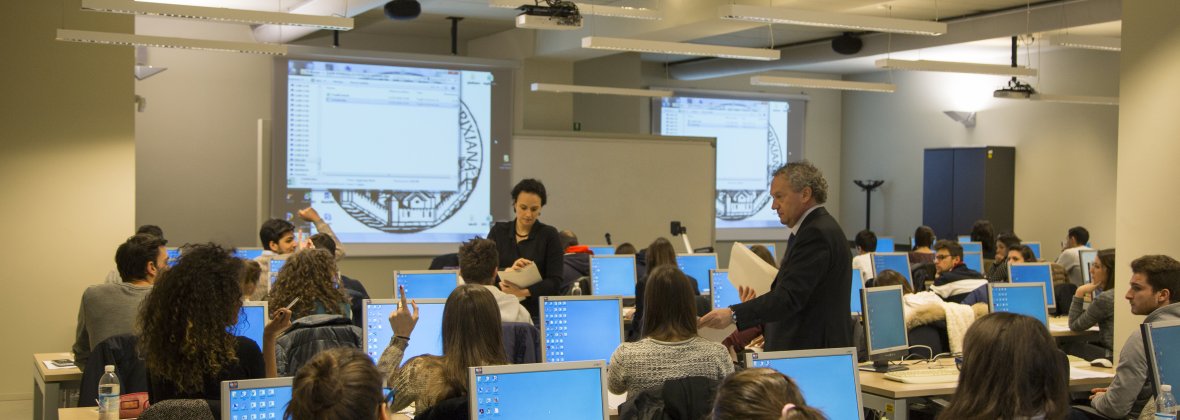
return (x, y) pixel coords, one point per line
(108, 395)
(577, 290)
(1165, 404)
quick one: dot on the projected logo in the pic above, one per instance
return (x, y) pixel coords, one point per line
(741, 204)
(409, 211)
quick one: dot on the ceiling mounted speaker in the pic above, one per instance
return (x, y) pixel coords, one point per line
(403, 9)
(847, 44)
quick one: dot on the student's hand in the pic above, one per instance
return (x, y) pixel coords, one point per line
(402, 320)
(717, 318)
(746, 293)
(512, 289)
(280, 320)
(1096, 392)
(1085, 289)
(309, 214)
(521, 263)
(759, 342)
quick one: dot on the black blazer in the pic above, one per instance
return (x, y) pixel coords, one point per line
(808, 303)
(542, 247)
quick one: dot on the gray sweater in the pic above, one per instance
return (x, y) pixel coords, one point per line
(1100, 312)
(1129, 391)
(106, 310)
(647, 363)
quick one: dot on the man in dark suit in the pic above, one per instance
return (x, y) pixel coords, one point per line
(807, 305)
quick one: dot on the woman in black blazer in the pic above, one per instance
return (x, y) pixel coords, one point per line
(525, 240)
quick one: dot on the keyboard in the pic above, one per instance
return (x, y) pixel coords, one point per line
(924, 376)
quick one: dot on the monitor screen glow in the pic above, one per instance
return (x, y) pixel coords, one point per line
(543, 393)
(896, 261)
(857, 285)
(885, 320)
(725, 294)
(430, 285)
(1024, 299)
(885, 244)
(425, 339)
(974, 261)
(602, 250)
(580, 329)
(248, 253)
(697, 266)
(1036, 248)
(828, 382)
(1040, 273)
(251, 322)
(613, 276)
(246, 402)
(972, 246)
(1164, 340)
(1086, 258)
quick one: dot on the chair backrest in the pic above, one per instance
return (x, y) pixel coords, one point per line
(921, 273)
(522, 342)
(179, 410)
(118, 350)
(1063, 294)
(445, 262)
(931, 335)
(449, 409)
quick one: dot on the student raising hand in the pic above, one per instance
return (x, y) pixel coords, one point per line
(402, 321)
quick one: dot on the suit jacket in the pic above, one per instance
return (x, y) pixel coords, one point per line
(807, 305)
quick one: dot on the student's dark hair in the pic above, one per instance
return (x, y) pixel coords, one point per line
(337, 384)
(567, 239)
(1079, 235)
(625, 248)
(923, 237)
(1026, 252)
(760, 394)
(951, 247)
(1106, 258)
(1011, 369)
(182, 322)
(471, 335)
(530, 185)
(660, 252)
(866, 240)
(325, 242)
(150, 230)
(1162, 271)
(763, 253)
(670, 313)
(893, 278)
(1009, 239)
(251, 273)
(309, 275)
(132, 257)
(272, 230)
(478, 259)
(982, 231)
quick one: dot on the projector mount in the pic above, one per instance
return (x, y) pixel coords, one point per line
(562, 11)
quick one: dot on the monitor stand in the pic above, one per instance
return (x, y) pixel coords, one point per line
(883, 366)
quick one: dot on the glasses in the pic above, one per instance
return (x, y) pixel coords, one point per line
(941, 257)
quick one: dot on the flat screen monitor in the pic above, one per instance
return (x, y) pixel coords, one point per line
(885, 244)
(425, 339)
(564, 390)
(1161, 339)
(769, 247)
(1040, 273)
(827, 378)
(885, 334)
(964, 238)
(697, 266)
(274, 266)
(248, 253)
(251, 321)
(972, 246)
(612, 275)
(1036, 248)
(578, 328)
(255, 398)
(724, 293)
(602, 249)
(857, 285)
(896, 261)
(1086, 258)
(426, 284)
(173, 256)
(974, 261)
(1020, 298)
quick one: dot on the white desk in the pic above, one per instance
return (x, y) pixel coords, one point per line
(48, 383)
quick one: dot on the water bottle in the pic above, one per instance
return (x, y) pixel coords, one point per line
(108, 395)
(577, 290)
(1165, 404)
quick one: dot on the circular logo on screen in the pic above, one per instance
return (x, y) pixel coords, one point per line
(741, 204)
(409, 211)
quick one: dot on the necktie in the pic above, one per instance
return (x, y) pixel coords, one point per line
(791, 242)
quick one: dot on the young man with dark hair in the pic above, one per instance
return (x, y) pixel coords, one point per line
(1070, 258)
(866, 242)
(110, 309)
(477, 264)
(949, 266)
(1154, 284)
(113, 276)
(278, 238)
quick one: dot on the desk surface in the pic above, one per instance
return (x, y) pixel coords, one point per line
(876, 384)
(1059, 328)
(55, 375)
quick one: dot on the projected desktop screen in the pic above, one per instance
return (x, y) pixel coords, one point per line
(1024, 299)
(613, 276)
(884, 245)
(1040, 273)
(602, 250)
(426, 285)
(251, 322)
(393, 152)
(884, 319)
(1087, 258)
(724, 293)
(1164, 338)
(972, 247)
(425, 339)
(974, 261)
(828, 382)
(248, 401)
(896, 261)
(578, 329)
(697, 266)
(858, 284)
(543, 391)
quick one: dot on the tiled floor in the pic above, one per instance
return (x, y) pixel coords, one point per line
(19, 409)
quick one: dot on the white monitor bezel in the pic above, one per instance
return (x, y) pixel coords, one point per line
(541, 317)
(991, 302)
(1048, 291)
(634, 273)
(864, 304)
(286, 381)
(472, 372)
(795, 354)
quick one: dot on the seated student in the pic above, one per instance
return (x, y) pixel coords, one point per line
(670, 348)
(576, 260)
(250, 277)
(1017, 254)
(763, 253)
(278, 238)
(923, 240)
(761, 394)
(1004, 242)
(322, 315)
(109, 309)
(948, 262)
(1011, 369)
(477, 264)
(471, 336)
(1153, 292)
(866, 242)
(658, 254)
(183, 328)
(353, 288)
(113, 276)
(625, 248)
(1020, 254)
(909, 298)
(340, 383)
(983, 232)
(1101, 310)
(1075, 240)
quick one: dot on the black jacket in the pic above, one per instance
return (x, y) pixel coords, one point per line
(959, 272)
(542, 248)
(312, 334)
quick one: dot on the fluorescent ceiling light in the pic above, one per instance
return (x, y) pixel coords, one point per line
(218, 14)
(1088, 42)
(679, 48)
(1065, 99)
(111, 38)
(955, 67)
(592, 10)
(822, 84)
(545, 23)
(830, 20)
(600, 90)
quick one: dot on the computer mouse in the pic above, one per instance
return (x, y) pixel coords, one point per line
(1101, 363)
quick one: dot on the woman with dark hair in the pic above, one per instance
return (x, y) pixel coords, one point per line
(1011, 369)
(983, 232)
(524, 241)
(923, 241)
(1021, 254)
(671, 348)
(183, 328)
(1101, 310)
(761, 394)
(1004, 242)
(311, 276)
(339, 383)
(471, 336)
(659, 253)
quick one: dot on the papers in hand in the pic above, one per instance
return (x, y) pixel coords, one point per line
(527, 276)
(716, 335)
(747, 269)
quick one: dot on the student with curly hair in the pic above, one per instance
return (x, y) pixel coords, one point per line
(183, 327)
(337, 384)
(322, 314)
(761, 394)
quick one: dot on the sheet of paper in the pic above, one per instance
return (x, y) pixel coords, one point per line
(746, 269)
(1080, 373)
(716, 335)
(49, 365)
(527, 276)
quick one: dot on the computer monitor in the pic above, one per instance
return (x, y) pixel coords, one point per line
(724, 293)
(697, 266)
(885, 334)
(964, 238)
(252, 320)
(248, 253)
(1020, 298)
(896, 261)
(612, 275)
(425, 339)
(885, 244)
(578, 328)
(769, 247)
(1036, 248)
(173, 255)
(827, 378)
(974, 261)
(1159, 340)
(426, 284)
(565, 390)
(857, 285)
(1086, 258)
(255, 398)
(602, 249)
(273, 267)
(972, 246)
(1040, 273)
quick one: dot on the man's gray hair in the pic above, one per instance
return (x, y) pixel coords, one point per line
(803, 174)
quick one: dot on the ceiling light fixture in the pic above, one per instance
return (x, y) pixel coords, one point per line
(599, 90)
(594, 10)
(799, 17)
(963, 117)
(1088, 42)
(822, 84)
(527, 21)
(679, 48)
(111, 38)
(218, 14)
(954, 67)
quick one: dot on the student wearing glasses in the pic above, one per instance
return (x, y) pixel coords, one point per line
(948, 263)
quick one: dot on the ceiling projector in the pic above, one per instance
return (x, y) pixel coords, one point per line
(554, 14)
(1015, 90)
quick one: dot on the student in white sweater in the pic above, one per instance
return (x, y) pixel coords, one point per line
(477, 264)
(670, 348)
